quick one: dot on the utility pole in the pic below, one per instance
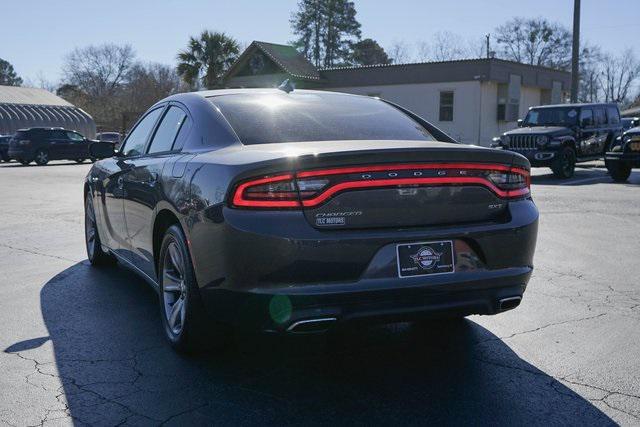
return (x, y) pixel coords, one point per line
(575, 51)
(488, 47)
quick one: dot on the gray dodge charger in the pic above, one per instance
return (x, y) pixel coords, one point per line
(295, 211)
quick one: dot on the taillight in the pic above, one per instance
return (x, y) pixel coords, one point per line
(277, 191)
(313, 188)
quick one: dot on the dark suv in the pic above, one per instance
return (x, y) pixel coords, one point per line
(559, 136)
(44, 144)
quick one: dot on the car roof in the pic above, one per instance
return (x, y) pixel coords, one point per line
(220, 92)
(40, 128)
(578, 105)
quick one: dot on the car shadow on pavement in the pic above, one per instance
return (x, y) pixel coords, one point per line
(115, 366)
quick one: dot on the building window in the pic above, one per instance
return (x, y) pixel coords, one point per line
(503, 93)
(446, 106)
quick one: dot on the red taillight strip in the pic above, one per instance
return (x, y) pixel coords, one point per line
(239, 200)
(405, 166)
(411, 181)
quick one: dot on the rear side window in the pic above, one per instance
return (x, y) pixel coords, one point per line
(586, 117)
(168, 130)
(265, 118)
(614, 115)
(599, 116)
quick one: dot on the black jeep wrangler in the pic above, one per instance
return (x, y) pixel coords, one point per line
(624, 155)
(559, 136)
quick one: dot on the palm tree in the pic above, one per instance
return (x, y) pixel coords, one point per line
(207, 58)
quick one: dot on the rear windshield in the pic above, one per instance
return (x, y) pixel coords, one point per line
(264, 118)
(564, 116)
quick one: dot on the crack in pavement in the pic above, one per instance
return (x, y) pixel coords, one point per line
(564, 322)
(29, 251)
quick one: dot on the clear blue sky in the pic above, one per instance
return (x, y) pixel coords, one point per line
(36, 34)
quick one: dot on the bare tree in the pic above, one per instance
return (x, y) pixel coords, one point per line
(399, 52)
(98, 70)
(536, 42)
(590, 61)
(618, 75)
(447, 46)
(423, 51)
(149, 83)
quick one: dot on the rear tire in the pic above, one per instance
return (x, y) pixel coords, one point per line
(24, 162)
(184, 319)
(95, 254)
(564, 165)
(41, 158)
(80, 160)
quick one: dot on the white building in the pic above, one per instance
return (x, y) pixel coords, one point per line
(24, 107)
(473, 100)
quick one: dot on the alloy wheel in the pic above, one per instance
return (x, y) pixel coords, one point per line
(174, 288)
(42, 158)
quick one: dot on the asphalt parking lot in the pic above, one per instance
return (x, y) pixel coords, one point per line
(84, 346)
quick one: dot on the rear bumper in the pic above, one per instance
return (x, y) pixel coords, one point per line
(393, 301)
(252, 264)
(631, 159)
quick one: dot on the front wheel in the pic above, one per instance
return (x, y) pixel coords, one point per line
(618, 171)
(80, 160)
(41, 157)
(564, 165)
(24, 162)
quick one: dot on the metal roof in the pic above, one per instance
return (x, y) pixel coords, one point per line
(481, 69)
(29, 96)
(26, 107)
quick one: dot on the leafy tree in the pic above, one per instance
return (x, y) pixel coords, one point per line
(326, 30)
(369, 52)
(536, 42)
(8, 76)
(206, 59)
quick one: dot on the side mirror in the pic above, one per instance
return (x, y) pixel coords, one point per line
(520, 123)
(101, 150)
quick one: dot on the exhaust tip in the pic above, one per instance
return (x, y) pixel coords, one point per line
(311, 325)
(509, 303)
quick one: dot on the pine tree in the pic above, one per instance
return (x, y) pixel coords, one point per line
(8, 76)
(326, 30)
